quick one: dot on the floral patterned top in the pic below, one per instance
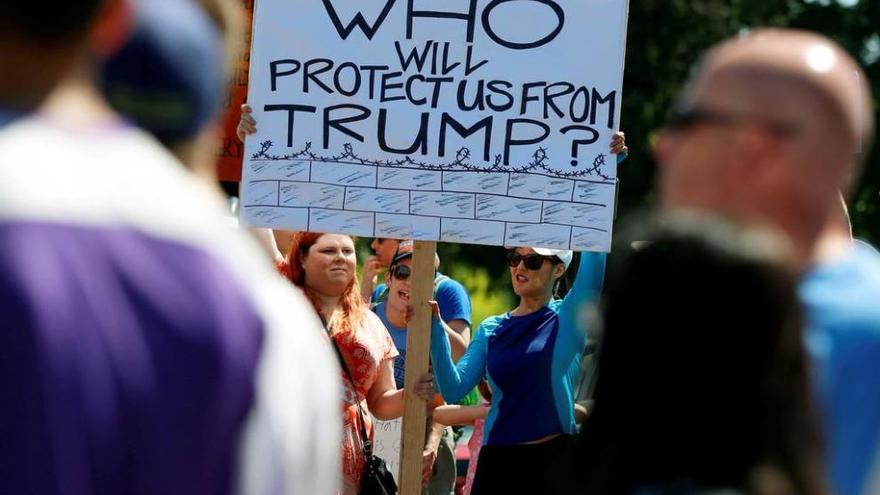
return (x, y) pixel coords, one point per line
(364, 352)
(474, 445)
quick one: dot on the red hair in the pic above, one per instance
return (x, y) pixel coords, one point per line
(351, 303)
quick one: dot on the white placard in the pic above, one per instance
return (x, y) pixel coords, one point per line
(487, 112)
(386, 443)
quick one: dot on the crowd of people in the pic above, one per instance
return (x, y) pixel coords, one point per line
(150, 347)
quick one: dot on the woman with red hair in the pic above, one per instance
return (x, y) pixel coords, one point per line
(323, 266)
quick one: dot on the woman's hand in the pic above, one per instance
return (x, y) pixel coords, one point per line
(435, 310)
(618, 144)
(424, 388)
(246, 124)
(371, 268)
(429, 457)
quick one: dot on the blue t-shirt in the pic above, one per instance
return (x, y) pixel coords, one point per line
(398, 335)
(454, 301)
(842, 301)
(531, 362)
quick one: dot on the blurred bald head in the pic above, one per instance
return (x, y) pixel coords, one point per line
(785, 73)
(768, 132)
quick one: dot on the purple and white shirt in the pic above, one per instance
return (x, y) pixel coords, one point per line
(145, 346)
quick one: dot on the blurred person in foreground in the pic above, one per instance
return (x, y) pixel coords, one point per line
(841, 295)
(42, 45)
(146, 347)
(702, 377)
(152, 82)
(767, 134)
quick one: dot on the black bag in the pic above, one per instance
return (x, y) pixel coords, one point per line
(376, 480)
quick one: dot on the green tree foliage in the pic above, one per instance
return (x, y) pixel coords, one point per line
(489, 296)
(665, 39)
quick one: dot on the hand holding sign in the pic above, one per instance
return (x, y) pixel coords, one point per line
(246, 124)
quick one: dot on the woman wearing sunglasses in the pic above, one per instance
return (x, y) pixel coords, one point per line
(530, 356)
(323, 266)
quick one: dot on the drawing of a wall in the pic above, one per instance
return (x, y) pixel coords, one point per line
(495, 208)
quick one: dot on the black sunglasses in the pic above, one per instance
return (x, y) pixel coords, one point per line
(531, 261)
(401, 272)
(682, 117)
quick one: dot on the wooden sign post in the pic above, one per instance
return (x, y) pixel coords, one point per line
(418, 341)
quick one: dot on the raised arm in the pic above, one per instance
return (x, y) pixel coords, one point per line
(372, 267)
(586, 289)
(455, 381)
(588, 280)
(455, 309)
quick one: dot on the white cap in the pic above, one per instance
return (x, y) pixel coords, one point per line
(562, 255)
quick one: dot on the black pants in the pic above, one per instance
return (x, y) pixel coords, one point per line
(541, 468)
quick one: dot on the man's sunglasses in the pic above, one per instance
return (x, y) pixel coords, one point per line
(682, 117)
(531, 261)
(401, 272)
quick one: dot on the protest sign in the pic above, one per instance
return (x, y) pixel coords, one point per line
(472, 121)
(386, 443)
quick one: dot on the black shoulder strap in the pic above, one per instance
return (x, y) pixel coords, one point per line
(365, 439)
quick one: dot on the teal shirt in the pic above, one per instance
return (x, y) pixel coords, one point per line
(532, 363)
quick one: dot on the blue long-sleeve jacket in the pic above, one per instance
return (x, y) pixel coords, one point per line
(531, 361)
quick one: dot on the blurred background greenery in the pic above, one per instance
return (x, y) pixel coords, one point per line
(665, 38)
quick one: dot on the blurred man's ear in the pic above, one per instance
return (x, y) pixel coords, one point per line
(112, 27)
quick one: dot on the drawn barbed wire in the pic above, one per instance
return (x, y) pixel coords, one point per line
(460, 163)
